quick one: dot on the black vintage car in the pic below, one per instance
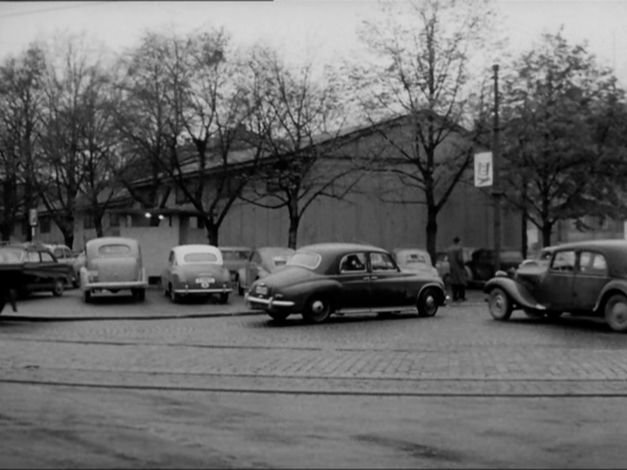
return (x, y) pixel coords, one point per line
(36, 269)
(326, 278)
(582, 278)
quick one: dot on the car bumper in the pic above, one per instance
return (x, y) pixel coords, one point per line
(216, 290)
(115, 285)
(269, 303)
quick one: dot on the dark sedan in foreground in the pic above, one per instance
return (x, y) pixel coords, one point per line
(323, 279)
(582, 278)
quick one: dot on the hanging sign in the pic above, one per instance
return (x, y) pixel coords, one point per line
(483, 169)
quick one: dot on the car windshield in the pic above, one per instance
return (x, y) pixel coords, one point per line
(414, 258)
(200, 258)
(11, 255)
(305, 259)
(114, 250)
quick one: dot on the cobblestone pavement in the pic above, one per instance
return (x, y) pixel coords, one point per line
(198, 346)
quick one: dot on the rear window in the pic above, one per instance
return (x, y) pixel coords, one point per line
(8, 256)
(305, 259)
(235, 255)
(200, 258)
(114, 250)
(415, 258)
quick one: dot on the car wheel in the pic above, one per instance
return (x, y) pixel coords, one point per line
(224, 298)
(427, 303)
(317, 310)
(278, 316)
(499, 304)
(139, 294)
(554, 314)
(87, 296)
(174, 297)
(616, 312)
(57, 288)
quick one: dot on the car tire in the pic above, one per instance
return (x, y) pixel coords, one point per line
(616, 312)
(427, 303)
(139, 294)
(224, 298)
(174, 297)
(499, 304)
(57, 288)
(87, 296)
(278, 316)
(554, 314)
(317, 310)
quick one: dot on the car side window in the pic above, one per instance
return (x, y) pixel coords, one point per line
(171, 258)
(592, 263)
(46, 257)
(353, 263)
(256, 258)
(381, 262)
(563, 261)
(32, 257)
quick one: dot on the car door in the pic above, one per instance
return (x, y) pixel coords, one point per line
(591, 275)
(355, 281)
(387, 284)
(556, 289)
(33, 274)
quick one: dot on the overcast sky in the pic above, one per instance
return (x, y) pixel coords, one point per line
(317, 29)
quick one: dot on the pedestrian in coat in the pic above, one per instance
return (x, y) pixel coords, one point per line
(457, 270)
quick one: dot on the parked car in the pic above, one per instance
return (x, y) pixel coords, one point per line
(580, 278)
(482, 264)
(40, 270)
(235, 258)
(323, 279)
(261, 262)
(65, 255)
(113, 264)
(414, 260)
(196, 270)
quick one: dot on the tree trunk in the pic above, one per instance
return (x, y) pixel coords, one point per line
(547, 228)
(293, 232)
(432, 232)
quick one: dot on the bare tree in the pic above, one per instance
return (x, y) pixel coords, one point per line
(20, 100)
(564, 135)
(294, 122)
(421, 72)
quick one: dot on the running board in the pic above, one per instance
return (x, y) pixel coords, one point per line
(403, 309)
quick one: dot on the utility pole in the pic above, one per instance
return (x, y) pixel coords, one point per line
(496, 186)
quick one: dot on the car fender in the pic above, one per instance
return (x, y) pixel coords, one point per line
(305, 290)
(613, 287)
(518, 293)
(437, 286)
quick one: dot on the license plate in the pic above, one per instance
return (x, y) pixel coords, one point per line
(262, 290)
(205, 280)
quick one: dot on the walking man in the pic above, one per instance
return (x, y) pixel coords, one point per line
(457, 270)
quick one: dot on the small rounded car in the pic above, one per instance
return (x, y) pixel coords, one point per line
(414, 260)
(261, 262)
(113, 264)
(327, 278)
(581, 278)
(196, 270)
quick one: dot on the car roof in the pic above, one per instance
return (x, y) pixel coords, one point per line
(235, 248)
(607, 244)
(339, 247)
(111, 240)
(182, 250)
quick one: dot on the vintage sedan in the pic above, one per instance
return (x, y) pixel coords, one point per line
(235, 258)
(414, 260)
(196, 270)
(582, 278)
(113, 264)
(322, 279)
(261, 262)
(39, 269)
